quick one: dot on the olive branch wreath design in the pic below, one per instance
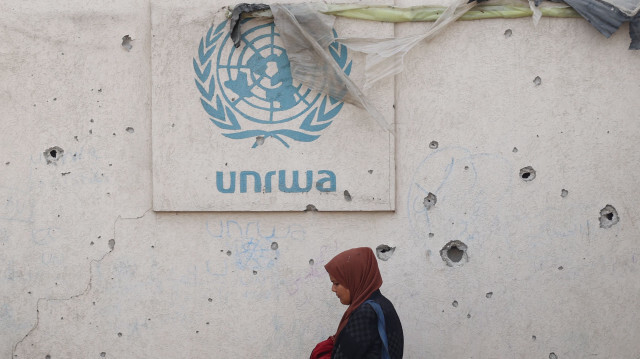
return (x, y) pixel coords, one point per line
(224, 117)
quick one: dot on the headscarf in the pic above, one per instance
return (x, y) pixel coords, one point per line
(357, 270)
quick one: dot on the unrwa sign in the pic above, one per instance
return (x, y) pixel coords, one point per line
(327, 183)
(237, 117)
(249, 92)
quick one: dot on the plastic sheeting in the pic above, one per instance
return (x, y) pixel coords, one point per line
(385, 56)
(234, 18)
(634, 31)
(629, 7)
(608, 19)
(537, 13)
(506, 9)
(306, 34)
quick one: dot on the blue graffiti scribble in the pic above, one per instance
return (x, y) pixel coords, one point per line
(250, 246)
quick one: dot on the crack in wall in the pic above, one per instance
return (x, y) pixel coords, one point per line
(85, 291)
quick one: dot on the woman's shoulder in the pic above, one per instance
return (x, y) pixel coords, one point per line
(381, 300)
(367, 307)
(364, 312)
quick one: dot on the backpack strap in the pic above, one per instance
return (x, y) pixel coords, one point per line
(381, 328)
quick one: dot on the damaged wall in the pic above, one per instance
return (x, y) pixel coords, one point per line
(514, 235)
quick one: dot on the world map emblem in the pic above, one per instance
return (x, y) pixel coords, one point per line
(249, 93)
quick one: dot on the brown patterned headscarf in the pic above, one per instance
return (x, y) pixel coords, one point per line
(357, 270)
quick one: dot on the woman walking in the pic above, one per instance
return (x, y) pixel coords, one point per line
(370, 327)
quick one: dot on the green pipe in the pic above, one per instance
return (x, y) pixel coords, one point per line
(431, 13)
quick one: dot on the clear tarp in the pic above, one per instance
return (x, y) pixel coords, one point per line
(306, 30)
(306, 33)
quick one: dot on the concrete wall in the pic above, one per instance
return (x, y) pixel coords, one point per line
(88, 270)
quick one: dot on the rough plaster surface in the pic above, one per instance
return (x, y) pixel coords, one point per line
(200, 285)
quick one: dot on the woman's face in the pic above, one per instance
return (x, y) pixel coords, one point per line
(341, 291)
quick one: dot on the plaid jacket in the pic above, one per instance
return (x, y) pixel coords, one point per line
(360, 338)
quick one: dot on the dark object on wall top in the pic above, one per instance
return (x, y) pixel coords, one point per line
(237, 12)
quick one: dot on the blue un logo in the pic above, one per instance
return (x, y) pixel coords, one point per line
(249, 93)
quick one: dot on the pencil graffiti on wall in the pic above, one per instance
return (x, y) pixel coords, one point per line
(460, 186)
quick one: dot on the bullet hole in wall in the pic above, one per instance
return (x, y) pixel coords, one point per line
(274, 245)
(489, 295)
(433, 145)
(515, 149)
(53, 154)
(560, 268)
(229, 253)
(454, 253)
(311, 208)
(455, 304)
(430, 201)
(553, 356)
(537, 81)
(130, 130)
(527, 173)
(469, 316)
(608, 216)
(126, 42)
(311, 262)
(431, 235)
(255, 272)
(119, 335)
(259, 141)
(347, 196)
(533, 337)
(384, 252)
(508, 33)
(210, 300)
(564, 193)
(47, 356)
(112, 244)
(370, 171)
(103, 354)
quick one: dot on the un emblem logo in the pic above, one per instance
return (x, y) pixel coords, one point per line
(248, 92)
